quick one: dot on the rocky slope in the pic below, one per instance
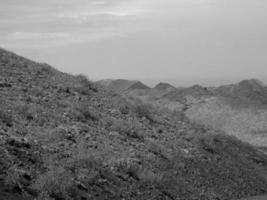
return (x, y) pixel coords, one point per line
(237, 109)
(63, 137)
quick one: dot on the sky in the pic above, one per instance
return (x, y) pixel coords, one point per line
(184, 42)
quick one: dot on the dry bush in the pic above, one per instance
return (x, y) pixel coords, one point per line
(124, 109)
(84, 112)
(144, 110)
(85, 86)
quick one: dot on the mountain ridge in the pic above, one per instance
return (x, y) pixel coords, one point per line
(244, 102)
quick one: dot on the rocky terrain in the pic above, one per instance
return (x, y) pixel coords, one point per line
(64, 137)
(237, 109)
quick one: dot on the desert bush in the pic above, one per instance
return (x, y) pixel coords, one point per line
(144, 110)
(85, 86)
(124, 109)
(84, 112)
(89, 113)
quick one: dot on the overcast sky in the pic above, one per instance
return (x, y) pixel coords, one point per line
(179, 41)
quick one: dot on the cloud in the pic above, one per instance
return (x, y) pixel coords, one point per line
(115, 15)
(70, 21)
(28, 40)
(37, 36)
(99, 2)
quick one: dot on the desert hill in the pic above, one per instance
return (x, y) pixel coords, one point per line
(237, 109)
(64, 137)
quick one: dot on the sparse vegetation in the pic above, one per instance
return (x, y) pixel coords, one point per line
(71, 140)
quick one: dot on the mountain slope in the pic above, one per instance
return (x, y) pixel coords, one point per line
(236, 109)
(63, 137)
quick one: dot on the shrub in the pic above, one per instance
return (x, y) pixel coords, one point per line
(85, 86)
(144, 110)
(124, 109)
(84, 112)
(89, 113)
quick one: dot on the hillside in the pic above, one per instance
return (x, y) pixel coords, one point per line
(237, 109)
(64, 137)
(250, 91)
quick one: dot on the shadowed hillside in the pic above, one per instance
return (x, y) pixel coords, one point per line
(64, 137)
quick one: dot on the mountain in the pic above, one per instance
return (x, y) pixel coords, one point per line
(117, 85)
(161, 89)
(64, 137)
(237, 109)
(164, 86)
(138, 86)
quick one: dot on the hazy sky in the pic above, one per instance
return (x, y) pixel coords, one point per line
(180, 41)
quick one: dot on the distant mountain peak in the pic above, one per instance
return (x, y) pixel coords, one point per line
(138, 85)
(117, 85)
(163, 86)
